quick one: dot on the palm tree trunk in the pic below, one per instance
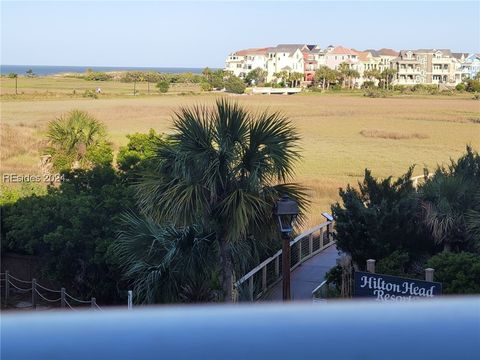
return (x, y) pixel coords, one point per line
(226, 269)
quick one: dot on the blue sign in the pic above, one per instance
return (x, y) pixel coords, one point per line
(393, 288)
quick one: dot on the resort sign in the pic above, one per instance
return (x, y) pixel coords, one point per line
(393, 288)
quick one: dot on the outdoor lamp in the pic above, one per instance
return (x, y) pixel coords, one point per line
(286, 212)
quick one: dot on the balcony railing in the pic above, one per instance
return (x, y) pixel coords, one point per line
(447, 328)
(261, 279)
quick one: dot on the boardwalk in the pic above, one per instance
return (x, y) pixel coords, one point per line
(307, 276)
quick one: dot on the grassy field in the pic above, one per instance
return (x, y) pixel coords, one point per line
(341, 134)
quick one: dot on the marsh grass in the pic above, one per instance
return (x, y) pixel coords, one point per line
(334, 151)
(382, 134)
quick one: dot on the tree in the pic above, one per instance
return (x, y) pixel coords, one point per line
(30, 73)
(459, 273)
(352, 75)
(163, 86)
(294, 78)
(325, 76)
(14, 76)
(387, 76)
(256, 77)
(77, 140)
(222, 171)
(235, 85)
(344, 71)
(138, 155)
(372, 74)
(71, 229)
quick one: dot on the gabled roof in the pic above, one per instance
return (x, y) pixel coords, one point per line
(287, 48)
(340, 50)
(428, 51)
(374, 53)
(388, 52)
(364, 55)
(253, 51)
(459, 55)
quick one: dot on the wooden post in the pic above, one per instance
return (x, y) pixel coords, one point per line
(34, 288)
(329, 232)
(62, 298)
(7, 286)
(286, 263)
(277, 267)
(264, 278)
(300, 250)
(94, 303)
(371, 266)
(250, 287)
(429, 274)
(130, 300)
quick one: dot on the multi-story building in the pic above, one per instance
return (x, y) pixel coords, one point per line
(426, 66)
(285, 57)
(240, 63)
(470, 66)
(339, 54)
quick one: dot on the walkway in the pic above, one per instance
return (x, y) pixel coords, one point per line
(307, 276)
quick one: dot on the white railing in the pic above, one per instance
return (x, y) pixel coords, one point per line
(11, 285)
(415, 179)
(257, 282)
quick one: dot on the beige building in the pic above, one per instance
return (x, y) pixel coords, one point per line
(427, 66)
(240, 63)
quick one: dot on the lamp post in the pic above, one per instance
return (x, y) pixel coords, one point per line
(286, 211)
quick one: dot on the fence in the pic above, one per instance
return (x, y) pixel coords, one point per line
(12, 285)
(261, 279)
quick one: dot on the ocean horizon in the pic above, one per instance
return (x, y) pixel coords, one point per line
(43, 70)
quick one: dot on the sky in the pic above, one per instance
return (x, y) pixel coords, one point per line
(199, 34)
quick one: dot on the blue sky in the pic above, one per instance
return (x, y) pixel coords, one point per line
(198, 34)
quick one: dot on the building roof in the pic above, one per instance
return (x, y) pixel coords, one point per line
(459, 55)
(287, 48)
(340, 50)
(363, 55)
(253, 51)
(428, 51)
(388, 52)
(374, 53)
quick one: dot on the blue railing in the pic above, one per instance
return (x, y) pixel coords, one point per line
(447, 328)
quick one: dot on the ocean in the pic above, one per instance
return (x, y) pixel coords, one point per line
(43, 70)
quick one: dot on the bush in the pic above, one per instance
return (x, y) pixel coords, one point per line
(368, 85)
(472, 85)
(336, 87)
(71, 229)
(375, 93)
(205, 86)
(235, 85)
(476, 97)
(97, 76)
(163, 86)
(459, 273)
(90, 94)
(460, 87)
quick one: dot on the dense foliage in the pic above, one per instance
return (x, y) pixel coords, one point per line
(77, 140)
(220, 172)
(402, 228)
(71, 229)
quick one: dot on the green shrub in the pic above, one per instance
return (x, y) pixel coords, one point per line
(368, 85)
(205, 86)
(459, 273)
(375, 93)
(336, 87)
(472, 85)
(163, 86)
(460, 87)
(235, 85)
(97, 76)
(90, 94)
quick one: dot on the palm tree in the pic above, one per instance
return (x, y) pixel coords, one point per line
(72, 138)
(445, 201)
(223, 171)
